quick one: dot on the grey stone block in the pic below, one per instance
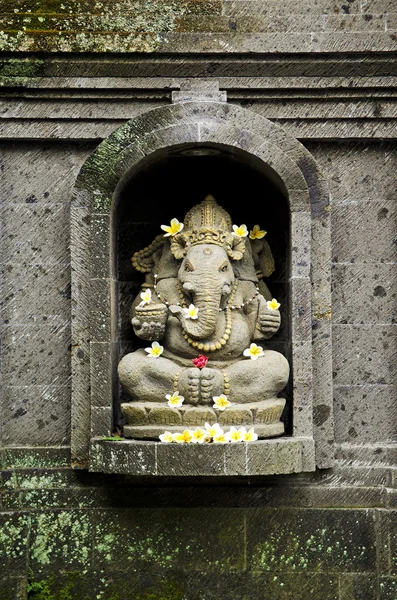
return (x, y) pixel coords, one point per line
(100, 246)
(274, 456)
(101, 421)
(369, 41)
(364, 231)
(272, 7)
(301, 243)
(44, 175)
(301, 308)
(373, 175)
(102, 365)
(216, 42)
(377, 6)
(354, 22)
(134, 458)
(364, 293)
(36, 354)
(289, 172)
(36, 415)
(34, 233)
(191, 460)
(101, 309)
(378, 455)
(391, 21)
(365, 414)
(35, 293)
(359, 354)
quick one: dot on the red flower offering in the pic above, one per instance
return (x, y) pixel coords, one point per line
(200, 361)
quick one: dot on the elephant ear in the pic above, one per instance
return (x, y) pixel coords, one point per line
(263, 258)
(145, 260)
(179, 245)
(235, 247)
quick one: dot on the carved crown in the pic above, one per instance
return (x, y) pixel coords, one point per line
(207, 223)
(208, 215)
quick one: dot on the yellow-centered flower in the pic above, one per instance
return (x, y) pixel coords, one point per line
(221, 402)
(146, 296)
(236, 435)
(273, 304)
(213, 430)
(257, 233)
(240, 231)
(250, 436)
(155, 350)
(191, 312)
(220, 438)
(173, 228)
(166, 437)
(175, 400)
(253, 351)
(199, 436)
(183, 438)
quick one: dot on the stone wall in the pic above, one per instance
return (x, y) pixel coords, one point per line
(325, 72)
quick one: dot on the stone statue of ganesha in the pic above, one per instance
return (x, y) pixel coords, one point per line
(204, 310)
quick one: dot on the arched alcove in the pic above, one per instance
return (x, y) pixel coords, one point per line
(126, 189)
(168, 185)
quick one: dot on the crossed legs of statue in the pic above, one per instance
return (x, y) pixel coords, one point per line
(244, 381)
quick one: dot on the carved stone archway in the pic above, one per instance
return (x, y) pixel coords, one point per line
(94, 316)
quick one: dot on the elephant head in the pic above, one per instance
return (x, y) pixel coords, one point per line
(206, 277)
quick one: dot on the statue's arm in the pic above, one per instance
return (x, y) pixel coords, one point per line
(149, 321)
(268, 321)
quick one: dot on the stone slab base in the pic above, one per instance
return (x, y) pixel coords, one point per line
(146, 458)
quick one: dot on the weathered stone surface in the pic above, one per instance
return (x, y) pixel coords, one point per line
(170, 540)
(351, 218)
(354, 587)
(365, 413)
(358, 354)
(388, 588)
(372, 177)
(303, 540)
(36, 415)
(364, 293)
(36, 354)
(64, 537)
(13, 544)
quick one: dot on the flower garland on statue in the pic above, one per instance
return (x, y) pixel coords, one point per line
(212, 432)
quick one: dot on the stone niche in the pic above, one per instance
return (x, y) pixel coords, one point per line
(156, 167)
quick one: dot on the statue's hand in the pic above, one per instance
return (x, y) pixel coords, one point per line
(149, 321)
(268, 320)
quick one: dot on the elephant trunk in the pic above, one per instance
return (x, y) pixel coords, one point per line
(204, 326)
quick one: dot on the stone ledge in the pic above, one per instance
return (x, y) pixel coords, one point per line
(148, 458)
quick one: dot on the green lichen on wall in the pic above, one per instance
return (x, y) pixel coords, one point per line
(314, 551)
(76, 586)
(13, 534)
(63, 536)
(17, 72)
(89, 26)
